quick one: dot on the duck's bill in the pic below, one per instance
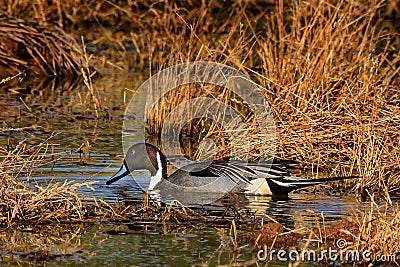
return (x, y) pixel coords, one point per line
(123, 171)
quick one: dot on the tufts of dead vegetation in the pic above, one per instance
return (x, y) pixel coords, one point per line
(374, 232)
(23, 199)
(366, 237)
(39, 48)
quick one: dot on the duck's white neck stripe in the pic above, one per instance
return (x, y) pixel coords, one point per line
(154, 180)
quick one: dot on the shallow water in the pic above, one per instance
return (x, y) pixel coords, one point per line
(90, 150)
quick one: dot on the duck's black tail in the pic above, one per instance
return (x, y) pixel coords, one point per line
(282, 186)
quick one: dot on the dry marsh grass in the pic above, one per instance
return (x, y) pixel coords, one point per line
(330, 71)
(369, 236)
(23, 199)
(41, 49)
(375, 230)
(334, 75)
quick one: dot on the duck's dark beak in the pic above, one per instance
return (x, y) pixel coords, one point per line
(123, 171)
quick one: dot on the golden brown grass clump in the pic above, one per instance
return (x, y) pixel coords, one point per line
(22, 199)
(38, 48)
(367, 237)
(374, 232)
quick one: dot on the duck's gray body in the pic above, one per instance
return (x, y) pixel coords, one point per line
(213, 176)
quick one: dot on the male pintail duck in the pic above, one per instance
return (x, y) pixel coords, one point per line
(218, 176)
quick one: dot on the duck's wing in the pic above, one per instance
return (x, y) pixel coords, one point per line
(241, 171)
(265, 169)
(218, 168)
